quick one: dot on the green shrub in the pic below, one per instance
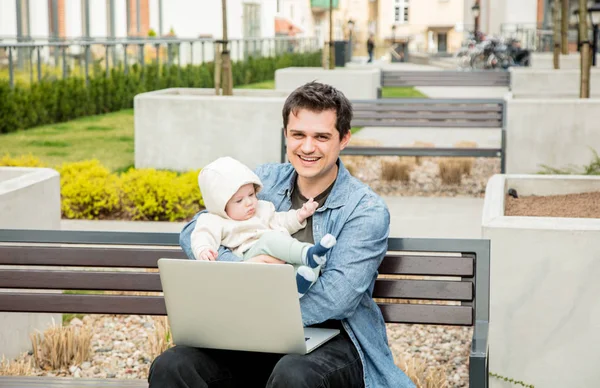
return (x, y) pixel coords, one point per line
(56, 100)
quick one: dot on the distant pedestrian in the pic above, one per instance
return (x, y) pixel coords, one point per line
(370, 47)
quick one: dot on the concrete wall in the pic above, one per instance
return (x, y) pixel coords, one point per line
(557, 133)
(29, 199)
(550, 83)
(495, 13)
(355, 84)
(184, 129)
(546, 61)
(544, 287)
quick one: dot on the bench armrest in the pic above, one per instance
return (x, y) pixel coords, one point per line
(479, 357)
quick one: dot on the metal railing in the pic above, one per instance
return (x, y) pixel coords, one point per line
(536, 38)
(34, 58)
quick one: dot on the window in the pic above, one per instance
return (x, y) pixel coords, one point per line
(401, 11)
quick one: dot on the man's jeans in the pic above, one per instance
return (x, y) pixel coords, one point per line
(334, 364)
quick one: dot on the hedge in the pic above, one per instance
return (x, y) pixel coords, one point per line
(90, 191)
(57, 100)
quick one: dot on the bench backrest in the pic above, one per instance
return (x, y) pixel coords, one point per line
(423, 112)
(455, 273)
(446, 78)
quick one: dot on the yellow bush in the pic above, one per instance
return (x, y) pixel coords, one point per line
(148, 194)
(88, 190)
(21, 161)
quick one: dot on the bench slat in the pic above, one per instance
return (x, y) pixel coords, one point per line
(63, 382)
(80, 280)
(154, 305)
(86, 304)
(426, 108)
(427, 265)
(138, 257)
(130, 281)
(428, 116)
(423, 289)
(425, 123)
(427, 314)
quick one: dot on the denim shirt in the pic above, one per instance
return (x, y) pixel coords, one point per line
(359, 220)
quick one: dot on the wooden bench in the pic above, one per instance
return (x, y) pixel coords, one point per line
(482, 78)
(462, 264)
(480, 114)
(424, 112)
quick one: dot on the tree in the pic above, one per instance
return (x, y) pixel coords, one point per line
(556, 29)
(584, 90)
(331, 45)
(223, 61)
(564, 44)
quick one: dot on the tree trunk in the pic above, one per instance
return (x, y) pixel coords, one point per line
(556, 29)
(584, 91)
(565, 16)
(225, 57)
(217, 69)
(331, 46)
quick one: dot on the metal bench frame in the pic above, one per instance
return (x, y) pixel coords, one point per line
(424, 258)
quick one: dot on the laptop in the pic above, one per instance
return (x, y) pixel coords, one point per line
(236, 306)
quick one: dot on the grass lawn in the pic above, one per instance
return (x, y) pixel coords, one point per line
(401, 92)
(108, 138)
(259, 85)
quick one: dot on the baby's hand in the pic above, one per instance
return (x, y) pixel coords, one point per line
(308, 209)
(208, 255)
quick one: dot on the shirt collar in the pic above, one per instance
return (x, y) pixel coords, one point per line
(339, 193)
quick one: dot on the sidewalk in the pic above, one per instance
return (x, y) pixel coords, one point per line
(432, 217)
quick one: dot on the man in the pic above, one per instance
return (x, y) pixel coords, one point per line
(316, 123)
(370, 47)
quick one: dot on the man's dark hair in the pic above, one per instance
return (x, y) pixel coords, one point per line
(318, 97)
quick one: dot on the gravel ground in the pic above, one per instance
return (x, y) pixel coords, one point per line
(121, 345)
(121, 348)
(424, 178)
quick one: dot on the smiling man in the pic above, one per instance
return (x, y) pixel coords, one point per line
(316, 124)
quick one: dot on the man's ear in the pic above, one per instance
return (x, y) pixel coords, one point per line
(284, 131)
(345, 140)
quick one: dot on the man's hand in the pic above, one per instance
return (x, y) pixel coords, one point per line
(308, 209)
(208, 255)
(265, 259)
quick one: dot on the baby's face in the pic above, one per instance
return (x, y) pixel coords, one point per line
(242, 205)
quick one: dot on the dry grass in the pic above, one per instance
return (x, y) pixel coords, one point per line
(423, 377)
(397, 168)
(466, 164)
(353, 162)
(160, 339)
(61, 346)
(23, 367)
(451, 171)
(422, 144)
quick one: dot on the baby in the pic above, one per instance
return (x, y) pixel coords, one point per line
(250, 227)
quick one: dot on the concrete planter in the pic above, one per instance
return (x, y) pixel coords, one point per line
(182, 129)
(549, 83)
(29, 199)
(356, 84)
(554, 132)
(544, 310)
(546, 61)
